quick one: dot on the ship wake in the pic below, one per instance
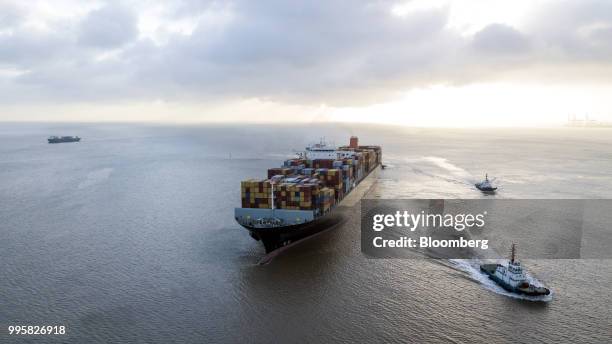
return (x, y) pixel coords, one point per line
(441, 169)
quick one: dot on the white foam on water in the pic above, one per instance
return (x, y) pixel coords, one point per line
(446, 171)
(449, 171)
(444, 164)
(472, 268)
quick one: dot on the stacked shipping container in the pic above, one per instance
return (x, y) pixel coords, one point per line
(305, 194)
(325, 200)
(279, 171)
(331, 178)
(318, 184)
(294, 196)
(255, 193)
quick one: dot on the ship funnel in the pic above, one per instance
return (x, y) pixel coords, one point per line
(354, 142)
(513, 253)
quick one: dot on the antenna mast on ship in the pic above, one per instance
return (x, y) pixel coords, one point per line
(272, 196)
(513, 253)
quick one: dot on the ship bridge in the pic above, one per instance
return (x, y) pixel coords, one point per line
(323, 151)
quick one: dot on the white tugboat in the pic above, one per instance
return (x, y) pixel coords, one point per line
(512, 278)
(485, 185)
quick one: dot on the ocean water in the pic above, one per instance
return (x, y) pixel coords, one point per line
(129, 236)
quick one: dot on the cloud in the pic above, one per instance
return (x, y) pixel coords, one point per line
(500, 39)
(108, 27)
(9, 15)
(309, 51)
(313, 52)
(572, 30)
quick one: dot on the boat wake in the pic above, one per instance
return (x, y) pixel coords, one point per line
(443, 169)
(440, 169)
(472, 268)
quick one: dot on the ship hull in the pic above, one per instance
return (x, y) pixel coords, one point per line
(485, 189)
(489, 270)
(63, 140)
(274, 238)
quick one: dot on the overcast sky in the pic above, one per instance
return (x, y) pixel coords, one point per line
(418, 62)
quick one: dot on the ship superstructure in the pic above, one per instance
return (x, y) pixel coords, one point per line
(323, 151)
(295, 200)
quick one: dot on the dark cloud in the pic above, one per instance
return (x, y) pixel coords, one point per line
(307, 51)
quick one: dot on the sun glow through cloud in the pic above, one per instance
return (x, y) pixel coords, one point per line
(471, 106)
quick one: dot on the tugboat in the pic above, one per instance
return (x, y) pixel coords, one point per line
(485, 185)
(512, 278)
(60, 139)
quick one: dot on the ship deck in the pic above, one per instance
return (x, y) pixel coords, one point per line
(488, 268)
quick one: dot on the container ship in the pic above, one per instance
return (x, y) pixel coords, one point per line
(297, 199)
(62, 139)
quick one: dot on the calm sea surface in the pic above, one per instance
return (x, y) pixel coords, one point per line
(129, 236)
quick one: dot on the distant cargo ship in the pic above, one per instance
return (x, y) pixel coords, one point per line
(297, 200)
(585, 122)
(61, 139)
